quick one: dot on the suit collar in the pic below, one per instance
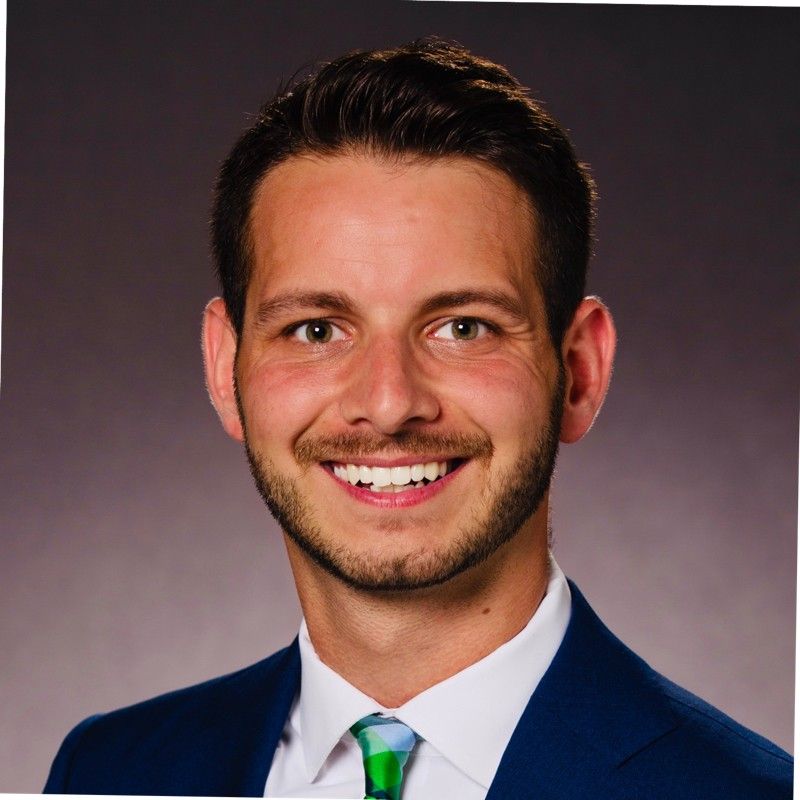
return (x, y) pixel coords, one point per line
(249, 732)
(595, 707)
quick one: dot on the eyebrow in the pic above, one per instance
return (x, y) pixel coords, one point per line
(294, 301)
(340, 303)
(505, 302)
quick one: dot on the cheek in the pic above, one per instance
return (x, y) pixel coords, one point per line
(280, 401)
(509, 399)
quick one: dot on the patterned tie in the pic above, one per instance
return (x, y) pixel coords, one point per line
(386, 743)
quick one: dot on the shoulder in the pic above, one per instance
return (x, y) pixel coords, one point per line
(150, 747)
(660, 740)
(716, 750)
(624, 731)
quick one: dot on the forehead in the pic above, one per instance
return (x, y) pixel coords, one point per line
(390, 229)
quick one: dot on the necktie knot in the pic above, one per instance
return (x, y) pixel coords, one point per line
(386, 743)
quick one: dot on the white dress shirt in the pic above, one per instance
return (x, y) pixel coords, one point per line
(464, 723)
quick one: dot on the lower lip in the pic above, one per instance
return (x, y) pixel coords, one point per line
(406, 499)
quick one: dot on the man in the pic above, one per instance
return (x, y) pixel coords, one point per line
(402, 342)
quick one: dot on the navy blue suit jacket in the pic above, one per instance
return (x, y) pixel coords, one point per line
(601, 724)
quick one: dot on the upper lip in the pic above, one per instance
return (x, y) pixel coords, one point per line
(400, 461)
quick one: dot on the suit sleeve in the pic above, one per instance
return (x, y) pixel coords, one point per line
(58, 780)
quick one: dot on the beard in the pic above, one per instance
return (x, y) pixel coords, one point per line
(507, 502)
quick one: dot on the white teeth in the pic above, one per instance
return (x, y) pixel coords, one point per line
(401, 475)
(381, 476)
(432, 470)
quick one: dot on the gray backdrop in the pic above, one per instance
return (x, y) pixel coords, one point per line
(136, 555)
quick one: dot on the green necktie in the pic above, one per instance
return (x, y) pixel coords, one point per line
(386, 743)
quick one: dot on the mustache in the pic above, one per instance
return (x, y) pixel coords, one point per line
(349, 446)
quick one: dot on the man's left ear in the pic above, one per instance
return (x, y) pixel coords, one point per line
(588, 355)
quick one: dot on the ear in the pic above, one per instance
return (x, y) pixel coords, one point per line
(219, 354)
(588, 355)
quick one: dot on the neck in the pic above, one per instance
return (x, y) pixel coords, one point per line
(394, 645)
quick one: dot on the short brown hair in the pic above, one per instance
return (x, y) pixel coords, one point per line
(429, 99)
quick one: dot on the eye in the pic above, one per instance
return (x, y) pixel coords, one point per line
(462, 329)
(317, 331)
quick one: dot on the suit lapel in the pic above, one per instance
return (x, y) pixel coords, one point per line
(247, 731)
(595, 707)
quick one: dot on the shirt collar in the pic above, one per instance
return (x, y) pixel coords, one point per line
(469, 737)
(327, 708)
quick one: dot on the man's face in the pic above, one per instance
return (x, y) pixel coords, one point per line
(399, 392)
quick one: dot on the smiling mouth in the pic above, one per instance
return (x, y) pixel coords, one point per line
(393, 480)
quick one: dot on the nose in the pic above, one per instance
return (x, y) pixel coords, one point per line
(387, 389)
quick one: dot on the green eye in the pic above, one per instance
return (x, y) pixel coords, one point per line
(462, 329)
(466, 328)
(317, 331)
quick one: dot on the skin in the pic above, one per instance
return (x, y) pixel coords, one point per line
(391, 236)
